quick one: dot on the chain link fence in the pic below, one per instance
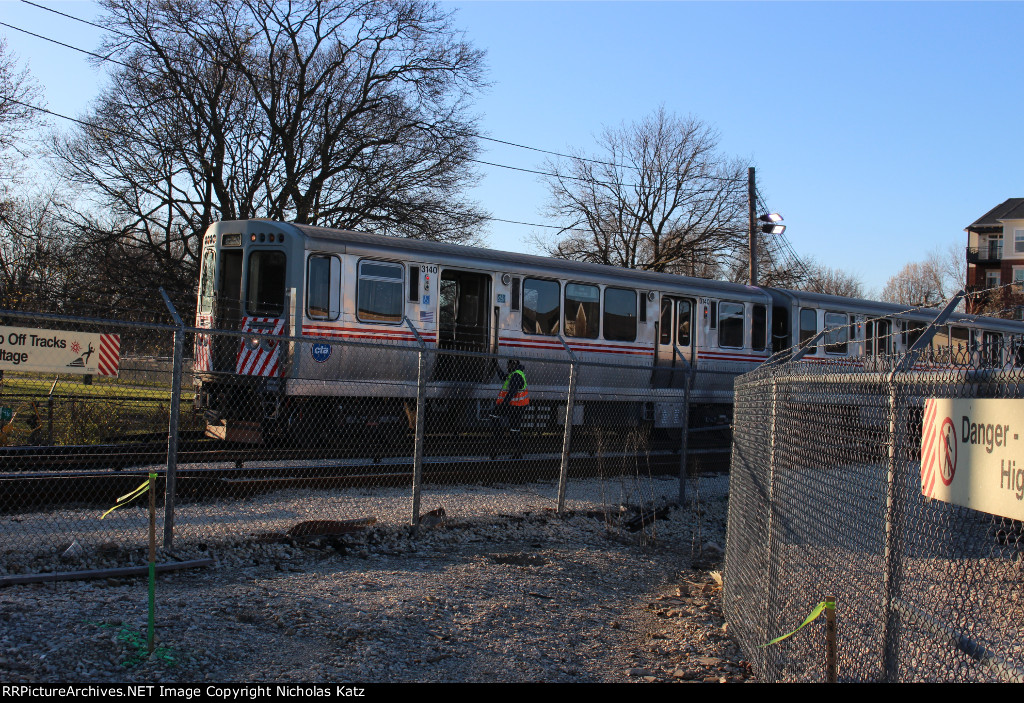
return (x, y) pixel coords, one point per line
(826, 500)
(258, 435)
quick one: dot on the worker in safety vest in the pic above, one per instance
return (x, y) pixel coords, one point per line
(512, 400)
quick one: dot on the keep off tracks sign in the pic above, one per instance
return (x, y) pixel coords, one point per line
(972, 454)
(59, 351)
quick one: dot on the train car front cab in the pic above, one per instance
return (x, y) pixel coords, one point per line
(247, 285)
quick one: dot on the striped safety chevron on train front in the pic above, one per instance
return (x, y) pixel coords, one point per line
(256, 356)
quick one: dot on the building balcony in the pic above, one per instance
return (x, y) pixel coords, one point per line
(984, 255)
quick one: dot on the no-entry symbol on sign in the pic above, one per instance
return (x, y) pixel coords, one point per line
(947, 451)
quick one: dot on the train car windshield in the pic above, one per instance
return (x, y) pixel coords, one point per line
(265, 293)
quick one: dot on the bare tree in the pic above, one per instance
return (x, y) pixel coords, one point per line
(36, 257)
(339, 113)
(832, 281)
(930, 282)
(18, 92)
(657, 195)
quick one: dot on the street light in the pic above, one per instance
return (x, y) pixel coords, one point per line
(772, 223)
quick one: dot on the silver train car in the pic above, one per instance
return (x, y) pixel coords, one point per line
(275, 279)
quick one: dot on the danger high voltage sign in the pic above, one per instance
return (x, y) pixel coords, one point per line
(59, 351)
(972, 454)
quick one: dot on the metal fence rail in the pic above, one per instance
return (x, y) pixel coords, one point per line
(345, 434)
(826, 499)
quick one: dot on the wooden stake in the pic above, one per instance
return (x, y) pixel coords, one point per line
(831, 674)
(152, 563)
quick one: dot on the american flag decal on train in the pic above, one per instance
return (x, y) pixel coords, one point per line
(201, 353)
(260, 356)
(201, 349)
(110, 354)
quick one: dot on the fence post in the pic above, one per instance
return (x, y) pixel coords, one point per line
(771, 655)
(563, 472)
(170, 488)
(831, 668)
(421, 413)
(691, 370)
(890, 555)
(49, 410)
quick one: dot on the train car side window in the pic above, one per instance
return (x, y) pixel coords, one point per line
(379, 292)
(808, 325)
(620, 315)
(759, 330)
(206, 282)
(912, 333)
(515, 292)
(323, 287)
(265, 293)
(837, 337)
(414, 284)
(665, 326)
(541, 306)
(582, 310)
(730, 325)
(684, 315)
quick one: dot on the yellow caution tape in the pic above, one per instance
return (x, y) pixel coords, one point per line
(129, 497)
(818, 610)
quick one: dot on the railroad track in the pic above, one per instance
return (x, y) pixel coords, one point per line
(96, 474)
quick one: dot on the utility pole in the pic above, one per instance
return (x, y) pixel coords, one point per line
(752, 222)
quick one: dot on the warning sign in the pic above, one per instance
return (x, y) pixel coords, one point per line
(59, 351)
(972, 454)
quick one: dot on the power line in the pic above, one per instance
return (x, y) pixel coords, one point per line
(92, 125)
(478, 161)
(70, 17)
(639, 169)
(66, 46)
(102, 128)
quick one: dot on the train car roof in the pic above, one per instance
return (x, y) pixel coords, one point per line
(453, 253)
(648, 279)
(876, 308)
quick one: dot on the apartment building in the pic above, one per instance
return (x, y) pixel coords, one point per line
(995, 250)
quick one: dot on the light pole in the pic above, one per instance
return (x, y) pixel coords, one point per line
(769, 224)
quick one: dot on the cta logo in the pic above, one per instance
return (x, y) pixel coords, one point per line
(320, 352)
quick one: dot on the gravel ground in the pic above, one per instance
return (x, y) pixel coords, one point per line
(504, 595)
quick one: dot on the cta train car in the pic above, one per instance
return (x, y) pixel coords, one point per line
(661, 331)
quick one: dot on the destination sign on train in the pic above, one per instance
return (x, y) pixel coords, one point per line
(59, 351)
(972, 454)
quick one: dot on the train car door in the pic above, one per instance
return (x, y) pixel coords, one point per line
(675, 338)
(877, 338)
(781, 327)
(992, 348)
(227, 313)
(464, 299)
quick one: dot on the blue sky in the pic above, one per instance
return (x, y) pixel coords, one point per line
(879, 130)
